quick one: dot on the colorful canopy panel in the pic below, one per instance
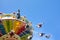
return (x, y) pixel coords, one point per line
(12, 28)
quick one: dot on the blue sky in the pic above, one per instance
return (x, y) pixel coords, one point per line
(46, 11)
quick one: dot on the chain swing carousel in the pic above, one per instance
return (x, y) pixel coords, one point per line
(15, 27)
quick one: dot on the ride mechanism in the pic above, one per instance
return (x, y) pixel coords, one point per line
(13, 26)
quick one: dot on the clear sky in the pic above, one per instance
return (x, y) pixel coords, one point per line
(46, 11)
